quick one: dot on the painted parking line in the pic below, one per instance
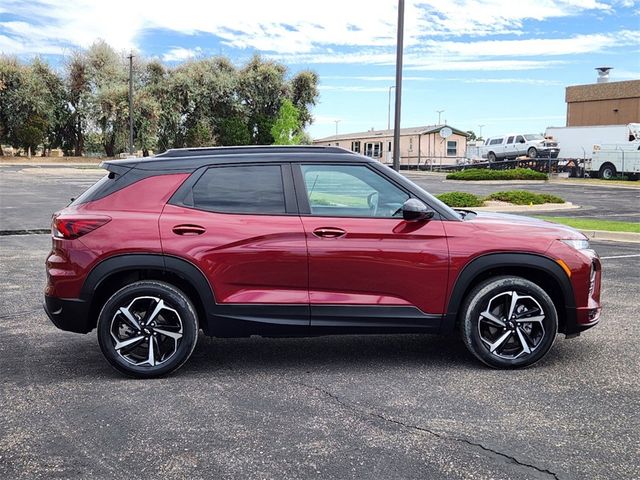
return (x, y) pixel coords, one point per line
(621, 256)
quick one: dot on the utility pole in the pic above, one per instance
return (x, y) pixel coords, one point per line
(439, 114)
(336, 122)
(399, 48)
(389, 108)
(130, 104)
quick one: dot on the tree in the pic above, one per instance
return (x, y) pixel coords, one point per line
(471, 135)
(198, 103)
(286, 128)
(234, 131)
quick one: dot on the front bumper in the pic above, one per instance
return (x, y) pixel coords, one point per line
(69, 314)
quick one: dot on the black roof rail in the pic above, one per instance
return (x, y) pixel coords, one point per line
(201, 151)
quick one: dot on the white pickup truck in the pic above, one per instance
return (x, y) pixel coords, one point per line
(609, 160)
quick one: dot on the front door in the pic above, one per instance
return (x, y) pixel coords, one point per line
(367, 266)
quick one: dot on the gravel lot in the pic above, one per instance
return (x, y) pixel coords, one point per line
(404, 406)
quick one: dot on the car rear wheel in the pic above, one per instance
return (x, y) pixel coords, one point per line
(147, 329)
(508, 322)
(607, 171)
(532, 152)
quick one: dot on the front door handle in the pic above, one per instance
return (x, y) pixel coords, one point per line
(188, 229)
(329, 232)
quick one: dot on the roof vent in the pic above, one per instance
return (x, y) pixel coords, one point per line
(603, 74)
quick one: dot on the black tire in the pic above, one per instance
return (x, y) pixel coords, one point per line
(174, 317)
(491, 156)
(532, 152)
(607, 171)
(493, 297)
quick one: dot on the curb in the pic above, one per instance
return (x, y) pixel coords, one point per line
(547, 207)
(612, 236)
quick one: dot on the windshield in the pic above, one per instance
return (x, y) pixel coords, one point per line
(534, 137)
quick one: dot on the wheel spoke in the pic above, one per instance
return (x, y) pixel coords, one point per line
(523, 341)
(538, 319)
(498, 343)
(174, 335)
(512, 306)
(150, 318)
(130, 318)
(151, 359)
(129, 342)
(492, 318)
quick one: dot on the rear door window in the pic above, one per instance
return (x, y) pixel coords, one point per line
(255, 189)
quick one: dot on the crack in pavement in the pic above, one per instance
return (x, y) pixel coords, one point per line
(440, 436)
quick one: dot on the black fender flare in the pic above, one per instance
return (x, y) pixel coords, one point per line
(136, 261)
(484, 263)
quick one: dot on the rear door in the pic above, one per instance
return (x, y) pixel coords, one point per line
(239, 225)
(367, 266)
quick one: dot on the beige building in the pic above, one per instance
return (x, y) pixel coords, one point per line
(418, 145)
(606, 103)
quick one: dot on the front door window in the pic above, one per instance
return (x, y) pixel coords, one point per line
(351, 191)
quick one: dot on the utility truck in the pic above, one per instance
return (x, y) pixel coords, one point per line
(604, 151)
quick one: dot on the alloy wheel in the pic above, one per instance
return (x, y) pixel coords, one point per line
(511, 325)
(146, 332)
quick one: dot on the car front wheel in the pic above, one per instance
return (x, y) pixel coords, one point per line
(147, 329)
(508, 322)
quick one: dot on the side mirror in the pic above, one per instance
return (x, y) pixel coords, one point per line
(414, 210)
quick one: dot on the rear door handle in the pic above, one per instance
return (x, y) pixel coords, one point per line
(329, 232)
(188, 230)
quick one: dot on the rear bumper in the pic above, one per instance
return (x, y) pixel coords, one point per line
(68, 314)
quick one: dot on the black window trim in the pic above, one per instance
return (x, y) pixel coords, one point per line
(291, 205)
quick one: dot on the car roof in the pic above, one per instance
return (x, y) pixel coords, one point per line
(188, 159)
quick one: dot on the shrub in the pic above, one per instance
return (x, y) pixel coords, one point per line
(460, 199)
(487, 174)
(522, 197)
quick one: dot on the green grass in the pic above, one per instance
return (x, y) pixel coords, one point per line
(337, 200)
(487, 174)
(595, 224)
(460, 199)
(523, 197)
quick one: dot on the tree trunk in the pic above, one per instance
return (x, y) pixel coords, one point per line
(1, 151)
(79, 146)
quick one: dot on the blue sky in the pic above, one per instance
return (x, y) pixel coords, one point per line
(503, 64)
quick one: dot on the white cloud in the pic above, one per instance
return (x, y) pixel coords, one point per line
(179, 54)
(336, 32)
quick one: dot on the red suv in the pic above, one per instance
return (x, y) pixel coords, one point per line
(300, 241)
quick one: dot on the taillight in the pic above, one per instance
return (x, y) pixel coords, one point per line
(75, 226)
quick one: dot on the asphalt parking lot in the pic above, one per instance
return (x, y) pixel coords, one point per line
(405, 406)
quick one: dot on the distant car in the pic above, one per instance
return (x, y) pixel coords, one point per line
(295, 241)
(513, 145)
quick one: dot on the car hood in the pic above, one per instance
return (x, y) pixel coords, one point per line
(504, 221)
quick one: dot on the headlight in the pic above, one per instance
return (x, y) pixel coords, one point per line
(577, 244)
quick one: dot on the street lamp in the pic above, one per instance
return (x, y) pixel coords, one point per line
(480, 134)
(336, 122)
(389, 108)
(399, 47)
(130, 104)
(439, 114)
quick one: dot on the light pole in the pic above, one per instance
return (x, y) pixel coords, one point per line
(480, 134)
(336, 122)
(439, 114)
(130, 104)
(399, 47)
(389, 108)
